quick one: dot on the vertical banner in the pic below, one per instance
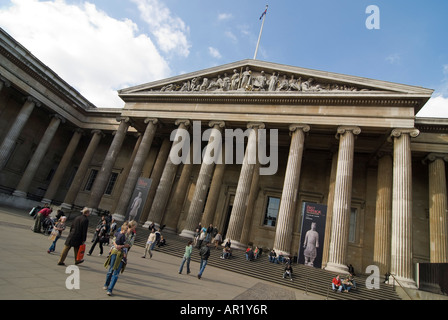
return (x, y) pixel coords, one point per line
(138, 199)
(312, 234)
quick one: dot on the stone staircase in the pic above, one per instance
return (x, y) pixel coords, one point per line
(305, 278)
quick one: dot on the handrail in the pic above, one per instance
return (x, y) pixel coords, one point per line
(404, 289)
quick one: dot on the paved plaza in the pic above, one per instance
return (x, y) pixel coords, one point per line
(28, 272)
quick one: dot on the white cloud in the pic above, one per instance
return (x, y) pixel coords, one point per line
(91, 51)
(169, 31)
(224, 16)
(214, 52)
(436, 107)
(394, 58)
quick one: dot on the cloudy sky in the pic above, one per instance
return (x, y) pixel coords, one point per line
(101, 46)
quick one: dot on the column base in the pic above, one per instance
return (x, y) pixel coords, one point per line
(403, 282)
(66, 206)
(336, 267)
(237, 245)
(148, 223)
(45, 200)
(118, 217)
(20, 194)
(187, 234)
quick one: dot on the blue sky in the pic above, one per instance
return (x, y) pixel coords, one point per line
(102, 46)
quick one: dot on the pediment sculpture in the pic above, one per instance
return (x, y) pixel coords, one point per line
(249, 80)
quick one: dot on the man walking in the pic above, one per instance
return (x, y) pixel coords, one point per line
(77, 236)
(204, 252)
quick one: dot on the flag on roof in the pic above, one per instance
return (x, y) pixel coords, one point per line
(264, 13)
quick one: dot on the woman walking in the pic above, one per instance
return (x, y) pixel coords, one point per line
(57, 232)
(187, 256)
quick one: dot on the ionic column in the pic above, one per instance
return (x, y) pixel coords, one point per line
(203, 182)
(285, 219)
(72, 192)
(213, 193)
(168, 175)
(100, 184)
(438, 223)
(136, 169)
(342, 199)
(383, 214)
(156, 174)
(401, 246)
(330, 202)
(62, 167)
(37, 157)
(243, 187)
(14, 132)
(174, 208)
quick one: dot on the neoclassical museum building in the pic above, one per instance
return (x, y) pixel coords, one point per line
(289, 143)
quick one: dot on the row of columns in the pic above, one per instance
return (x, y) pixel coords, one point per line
(393, 231)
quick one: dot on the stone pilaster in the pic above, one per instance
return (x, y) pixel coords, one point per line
(136, 169)
(401, 247)
(342, 199)
(288, 204)
(383, 214)
(167, 178)
(100, 184)
(36, 159)
(243, 188)
(203, 182)
(62, 167)
(75, 186)
(14, 132)
(438, 223)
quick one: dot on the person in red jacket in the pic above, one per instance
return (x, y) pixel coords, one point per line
(41, 215)
(336, 283)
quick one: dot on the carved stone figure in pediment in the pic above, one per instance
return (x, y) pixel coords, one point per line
(259, 82)
(235, 80)
(295, 85)
(204, 85)
(226, 83)
(216, 84)
(283, 84)
(273, 82)
(246, 79)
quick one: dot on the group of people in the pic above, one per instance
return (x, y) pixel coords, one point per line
(343, 285)
(209, 235)
(280, 258)
(204, 254)
(252, 254)
(155, 238)
(106, 230)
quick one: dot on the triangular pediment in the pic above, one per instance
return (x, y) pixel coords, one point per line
(259, 77)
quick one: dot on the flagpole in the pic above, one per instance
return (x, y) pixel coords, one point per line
(259, 36)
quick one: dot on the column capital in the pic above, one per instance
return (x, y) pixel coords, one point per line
(255, 125)
(36, 102)
(58, 116)
(153, 120)
(79, 130)
(293, 127)
(185, 122)
(433, 156)
(400, 131)
(343, 129)
(99, 132)
(219, 123)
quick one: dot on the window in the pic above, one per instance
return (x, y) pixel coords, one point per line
(91, 180)
(111, 183)
(272, 207)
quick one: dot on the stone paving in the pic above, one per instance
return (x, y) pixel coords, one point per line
(28, 272)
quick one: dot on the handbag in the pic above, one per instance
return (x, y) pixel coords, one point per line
(81, 251)
(54, 233)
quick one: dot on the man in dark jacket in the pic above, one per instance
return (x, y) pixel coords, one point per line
(77, 236)
(204, 252)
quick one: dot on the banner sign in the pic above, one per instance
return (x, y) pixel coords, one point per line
(312, 234)
(138, 199)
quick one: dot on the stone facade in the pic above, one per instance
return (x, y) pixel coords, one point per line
(351, 143)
